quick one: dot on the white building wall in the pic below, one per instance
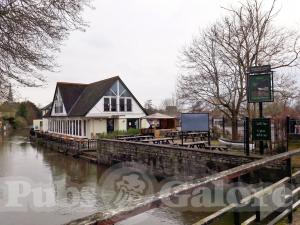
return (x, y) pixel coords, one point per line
(98, 111)
(122, 124)
(38, 124)
(96, 126)
(144, 124)
(45, 125)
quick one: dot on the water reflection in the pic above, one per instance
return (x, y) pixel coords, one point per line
(74, 183)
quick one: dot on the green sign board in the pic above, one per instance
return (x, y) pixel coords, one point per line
(260, 88)
(261, 129)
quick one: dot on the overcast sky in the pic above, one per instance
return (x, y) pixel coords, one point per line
(139, 40)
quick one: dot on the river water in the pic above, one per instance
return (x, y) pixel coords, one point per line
(74, 187)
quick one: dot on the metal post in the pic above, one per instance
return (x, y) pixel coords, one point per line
(289, 172)
(246, 136)
(261, 143)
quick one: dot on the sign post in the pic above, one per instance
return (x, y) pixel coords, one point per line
(261, 129)
(259, 90)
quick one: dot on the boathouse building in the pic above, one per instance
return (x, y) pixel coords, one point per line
(85, 110)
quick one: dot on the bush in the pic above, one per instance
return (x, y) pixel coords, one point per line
(113, 135)
(19, 122)
(132, 131)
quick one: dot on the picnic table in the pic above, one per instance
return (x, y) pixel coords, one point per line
(124, 136)
(198, 144)
(136, 138)
(216, 147)
(159, 141)
(195, 135)
(172, 134)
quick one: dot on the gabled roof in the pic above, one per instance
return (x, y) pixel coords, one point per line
(91, 95)
(47, 106)
(70, 92)
(79, 99)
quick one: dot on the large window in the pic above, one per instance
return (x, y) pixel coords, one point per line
(122, 104)
(106, 105)
(118, 98)
(113, 104)
(84, 128)
(129, 105)
(80, 128)
(76, 129)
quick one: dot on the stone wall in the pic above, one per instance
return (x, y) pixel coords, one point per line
(165, 160)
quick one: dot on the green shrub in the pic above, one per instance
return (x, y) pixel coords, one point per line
(19, 122)
(132, 131)
(114, 134)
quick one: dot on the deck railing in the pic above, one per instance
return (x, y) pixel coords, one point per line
(67, 144)
(145, 204)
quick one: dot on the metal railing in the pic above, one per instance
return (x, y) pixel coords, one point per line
(155, 201)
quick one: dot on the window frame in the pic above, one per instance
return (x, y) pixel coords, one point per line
(128, 100)
(115, 106)
(124, 104)
(106, 106)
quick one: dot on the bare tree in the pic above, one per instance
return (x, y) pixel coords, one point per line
(286, 89)
(149, 107)
(30, 32)
(215, 64)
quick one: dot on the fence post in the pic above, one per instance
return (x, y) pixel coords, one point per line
(236, 213)
(246, 136)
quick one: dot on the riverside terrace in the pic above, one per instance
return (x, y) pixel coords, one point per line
(164, 159)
